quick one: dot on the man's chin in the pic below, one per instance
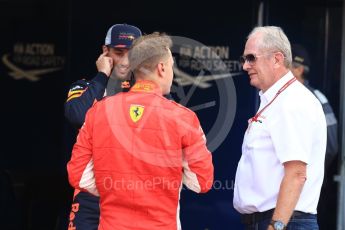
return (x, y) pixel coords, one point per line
(120, 76)
(253, 82)
(123, 76)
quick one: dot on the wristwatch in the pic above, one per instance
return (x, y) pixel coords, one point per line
(278, 225)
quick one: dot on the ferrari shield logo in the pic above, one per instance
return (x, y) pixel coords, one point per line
(136, 112)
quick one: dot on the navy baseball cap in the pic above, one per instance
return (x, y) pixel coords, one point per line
(300, 55)
(121, 36)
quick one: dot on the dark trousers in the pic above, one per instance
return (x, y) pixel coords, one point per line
(298, 221)
(84, 213)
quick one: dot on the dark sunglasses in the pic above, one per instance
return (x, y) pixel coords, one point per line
(250, 58)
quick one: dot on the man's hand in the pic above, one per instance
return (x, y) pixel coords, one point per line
(295, 175)
(104, 63)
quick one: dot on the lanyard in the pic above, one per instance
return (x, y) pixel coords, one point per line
(255, 118)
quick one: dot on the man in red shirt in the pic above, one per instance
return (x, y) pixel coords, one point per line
(143, 146)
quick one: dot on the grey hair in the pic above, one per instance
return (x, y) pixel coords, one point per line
(147, 51)
(273, 38)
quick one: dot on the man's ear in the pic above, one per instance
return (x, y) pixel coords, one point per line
(279, 58)
(104, 48)
(161, 69)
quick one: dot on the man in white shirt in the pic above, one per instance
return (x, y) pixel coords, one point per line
(280, 173)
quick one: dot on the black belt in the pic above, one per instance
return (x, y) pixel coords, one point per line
(259, 216)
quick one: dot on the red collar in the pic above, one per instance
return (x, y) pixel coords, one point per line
(146, 86)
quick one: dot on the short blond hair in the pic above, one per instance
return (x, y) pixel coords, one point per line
(148, 50)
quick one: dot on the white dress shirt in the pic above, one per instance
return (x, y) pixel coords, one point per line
(293, 127)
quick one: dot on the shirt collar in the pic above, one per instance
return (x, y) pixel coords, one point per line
(272, 91)
(146, 86)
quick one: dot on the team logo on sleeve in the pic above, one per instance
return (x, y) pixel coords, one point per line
(136, 112)
(75, 91)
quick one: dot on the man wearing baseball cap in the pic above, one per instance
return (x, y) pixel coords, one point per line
(113, 76)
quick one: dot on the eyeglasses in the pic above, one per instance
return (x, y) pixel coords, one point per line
(251, 58)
